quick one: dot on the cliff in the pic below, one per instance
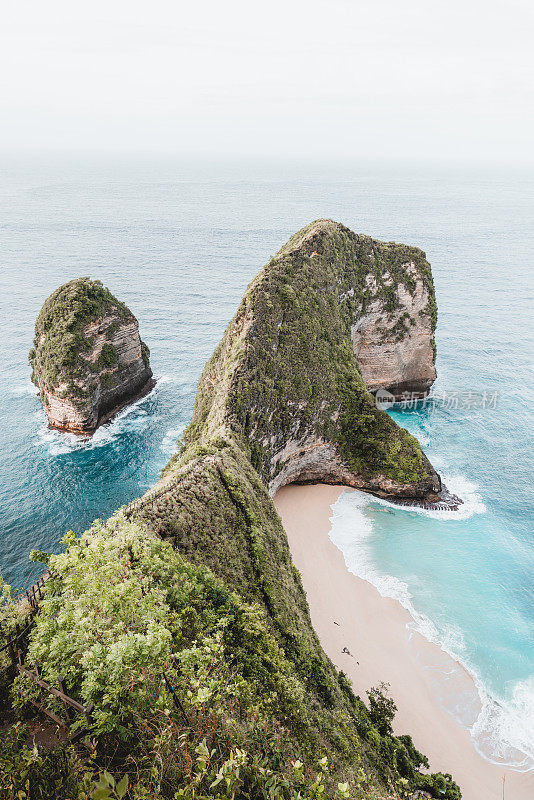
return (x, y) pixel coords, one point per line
(286, 383)
(393, 330)
(87, 357)
(183, 619)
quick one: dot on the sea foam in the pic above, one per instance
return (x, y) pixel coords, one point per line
(131, 419)
(501, 728)
(171, 443)
(24, 388)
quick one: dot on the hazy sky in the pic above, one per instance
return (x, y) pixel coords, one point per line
(347, 78)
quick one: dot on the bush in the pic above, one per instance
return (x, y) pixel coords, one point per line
(382, 709)
(30, 773)
(193, 695)
(108, 356)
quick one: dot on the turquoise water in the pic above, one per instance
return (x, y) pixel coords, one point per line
(179, 244)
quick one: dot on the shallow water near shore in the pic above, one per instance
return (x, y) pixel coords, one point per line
(179, 245)
(460, 599)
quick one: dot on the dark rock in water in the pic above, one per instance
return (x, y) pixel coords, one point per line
(443, 501)
(88, 360)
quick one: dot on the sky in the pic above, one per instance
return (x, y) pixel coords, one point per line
(359, 79)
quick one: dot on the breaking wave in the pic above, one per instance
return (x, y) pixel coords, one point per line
(130, 420)
(501, 728)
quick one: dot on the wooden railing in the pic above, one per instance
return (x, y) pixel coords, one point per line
(16, 645)
(35, 592)
(18, 637)
(69, 704)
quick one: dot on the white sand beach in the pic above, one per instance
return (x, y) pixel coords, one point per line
(349, 614)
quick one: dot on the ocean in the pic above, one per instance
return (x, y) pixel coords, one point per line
(179, 243)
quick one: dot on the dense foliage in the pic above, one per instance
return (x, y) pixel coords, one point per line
(59, 330)
(11, 614)
(193, 695)
(183, 619)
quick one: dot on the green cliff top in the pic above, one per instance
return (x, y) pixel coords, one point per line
(285, 368)
(183, 618)
(59, 333)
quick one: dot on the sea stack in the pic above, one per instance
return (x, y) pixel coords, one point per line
(87, 359)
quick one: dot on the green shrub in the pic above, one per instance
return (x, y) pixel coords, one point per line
(108, 357)
(382, 708)
(32, 773)
(193, 695)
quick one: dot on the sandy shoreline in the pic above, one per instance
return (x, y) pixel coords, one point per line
(349, 614)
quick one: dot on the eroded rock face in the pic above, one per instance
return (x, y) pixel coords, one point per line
(317, 461)
(395, 348)
(331, 312)
(88, 359)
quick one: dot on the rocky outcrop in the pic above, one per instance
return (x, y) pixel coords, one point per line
(318, 461)
(284, 386)
(299, 320)
(395, 345)
(88, 359)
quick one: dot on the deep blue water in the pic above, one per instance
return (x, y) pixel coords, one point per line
(179, 244)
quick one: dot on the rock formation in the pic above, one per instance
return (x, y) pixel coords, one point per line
(283, 399)
(88, 359)
(330, 309)
(394, 341)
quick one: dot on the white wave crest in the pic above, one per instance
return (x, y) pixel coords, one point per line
(504, 729)
(472, 502)
(132, 419)
(170, 443)
(24, 388)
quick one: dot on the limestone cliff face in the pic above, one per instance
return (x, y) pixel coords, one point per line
(395, 345)
(282, 399)
(286, 385)
(88, 359)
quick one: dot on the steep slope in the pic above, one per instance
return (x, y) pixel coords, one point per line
(88, 359)
(285, 383)
(282, 400)
(132, 605)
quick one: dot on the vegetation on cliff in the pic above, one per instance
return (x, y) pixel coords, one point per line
(59, 332)
(285, 369)
(194, 695)
(183, 618)
(80, 333)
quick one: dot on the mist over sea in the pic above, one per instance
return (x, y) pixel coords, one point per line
(179, 244)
